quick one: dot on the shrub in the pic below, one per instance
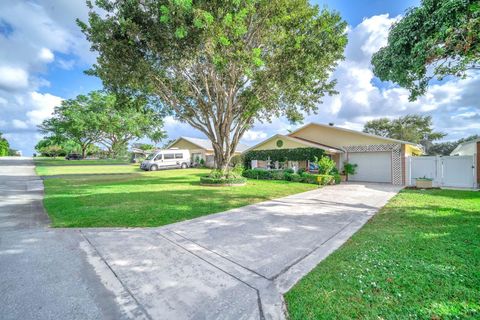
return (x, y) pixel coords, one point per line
(325, 165)
(261, 174)
(289, 170)
(295, 177)
(278, 174)
(220, 181)
(350, 168)
(309, 178)
(300, 171)
(238, 169)
(325, 179)
(337, 178)
(282, 155)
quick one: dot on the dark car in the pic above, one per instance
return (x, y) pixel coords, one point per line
(73, 156)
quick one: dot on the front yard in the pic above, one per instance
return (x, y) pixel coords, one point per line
(84, 195)
(418, 258)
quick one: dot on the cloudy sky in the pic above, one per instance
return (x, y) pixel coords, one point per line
(43, 55)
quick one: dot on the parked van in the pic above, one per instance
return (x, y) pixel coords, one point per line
(164, 159)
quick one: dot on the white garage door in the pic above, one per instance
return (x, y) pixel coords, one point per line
(372, 166)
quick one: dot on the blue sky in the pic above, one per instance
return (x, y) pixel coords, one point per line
(43, 55)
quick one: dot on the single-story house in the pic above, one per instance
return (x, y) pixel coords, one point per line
(378, 159)
(200, 149)
(469, 148)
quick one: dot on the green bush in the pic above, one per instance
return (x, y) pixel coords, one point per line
(325, 179)
(278, 174)
(325, 165)
(309, 178)
(220, 181)
(295, 177)
(282, 155)
(337, 178)
(257, 174)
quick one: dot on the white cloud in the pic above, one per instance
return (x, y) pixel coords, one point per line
(42, 107)
(66, 64)
(46, 55)
(253, 135)
(19, 124)
(13, 78)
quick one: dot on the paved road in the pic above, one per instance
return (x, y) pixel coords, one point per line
(230, 265)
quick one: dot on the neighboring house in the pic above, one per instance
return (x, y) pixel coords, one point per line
(200, 149)
(468, 148)
(379, 159)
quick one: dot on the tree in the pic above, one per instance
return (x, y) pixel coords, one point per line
(4, 146)
(76, 120)
(436, 39)
(445, 148)
(103, 118)
(124, 119)
(413, 128)
(219, 65)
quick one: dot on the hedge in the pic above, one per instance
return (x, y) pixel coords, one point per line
(282, 155)
(222, 181)
(289, 175)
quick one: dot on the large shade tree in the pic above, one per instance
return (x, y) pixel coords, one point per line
(219, 65)
(437, 39)
(103, 118)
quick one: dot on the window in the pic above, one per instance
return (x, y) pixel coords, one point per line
(168, 156)
(158, 157)
(178, 155)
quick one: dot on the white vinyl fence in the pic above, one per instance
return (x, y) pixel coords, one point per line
(448, 171)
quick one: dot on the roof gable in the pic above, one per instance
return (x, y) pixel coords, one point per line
(351, 137)
(204, 144)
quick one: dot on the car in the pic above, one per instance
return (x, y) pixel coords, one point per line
(164, 159)
(73, 156)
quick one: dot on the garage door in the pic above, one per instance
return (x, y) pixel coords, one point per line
(372, 166)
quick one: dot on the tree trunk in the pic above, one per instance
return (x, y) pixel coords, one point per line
(222, 158)
(84, 151)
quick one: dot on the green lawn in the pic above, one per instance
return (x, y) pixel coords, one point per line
(60, 161)
(124, 196)
(418, 258)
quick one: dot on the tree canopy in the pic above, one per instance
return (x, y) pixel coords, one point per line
(445, 148)
(102, 118)
(219, 65)
(412, 128)
(436, 39)
(4, 146)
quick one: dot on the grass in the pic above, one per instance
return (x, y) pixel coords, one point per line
(418, 258)
(125, 196)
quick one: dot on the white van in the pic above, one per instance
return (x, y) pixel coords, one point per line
(164, 159)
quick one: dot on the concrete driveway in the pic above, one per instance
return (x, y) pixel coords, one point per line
(230, 265)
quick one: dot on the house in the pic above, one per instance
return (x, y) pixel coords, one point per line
(378, 159)
(468, 148)
(200, 149)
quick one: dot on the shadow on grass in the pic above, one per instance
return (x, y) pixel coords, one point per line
(145, 208)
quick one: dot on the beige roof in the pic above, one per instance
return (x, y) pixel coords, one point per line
(305, 142)
(352, 131)
(206, 144)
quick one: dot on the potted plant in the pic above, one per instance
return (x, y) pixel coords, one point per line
(424, 183)
(349, 169)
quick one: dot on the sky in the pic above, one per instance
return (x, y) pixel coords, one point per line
(43, 56)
